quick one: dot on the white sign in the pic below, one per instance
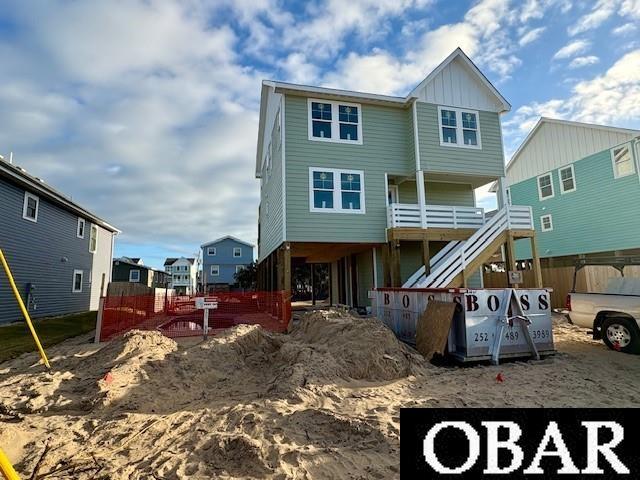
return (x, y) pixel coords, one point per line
(206, 303)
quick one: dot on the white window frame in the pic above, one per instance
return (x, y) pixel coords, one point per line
(459, 129)
(209, 249)
(553, 192)
(239, 250)
(239, 268)
(217, 272)
(573, 177)
(28, 196)
(335, 121)
(81, 221)
(94, 228)
(613, 160)
(73, 284)
(550, 218)
(337, 191)
(131, 280)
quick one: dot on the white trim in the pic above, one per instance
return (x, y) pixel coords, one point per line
(394, 191)
(553, 193)
(209, 251)
(416, 139)
(226, 237)
(337, 190)
(626, 145)
(459, 129)
(28, 196)
(282, 167)
(550, 218)
(386, 189)
(73, 284)
(131, 280)
(573, 179)
(91, 230)
(84, 224)
(335, 121)
(239, 250)
(217, 272)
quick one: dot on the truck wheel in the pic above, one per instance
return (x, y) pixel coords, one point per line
(621, 334)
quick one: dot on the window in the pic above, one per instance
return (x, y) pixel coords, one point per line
(332, 190)
(508, 196)
(546, 223)
(77, 281)
(622, 161)
(211, 251)
(239, 268)
(80, 229)
(237, 252)
(459, 127)
(134, 275)
(335, 121)
(30, 207)
(215, 270)
(93, 239)
(567, 179)
(545, 186)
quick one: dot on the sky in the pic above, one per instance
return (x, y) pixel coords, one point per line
(146, 112)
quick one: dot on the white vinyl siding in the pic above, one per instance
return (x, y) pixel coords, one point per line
(93, 239)
(622, 161)
(546, 223)
(30, 207)
(567, 178)
(459, 127)
(545, 186)
(337, 191)
(339, 122)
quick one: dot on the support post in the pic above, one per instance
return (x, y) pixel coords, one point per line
(511, 257)
(395, 263)
(286, 267)
(537, 271)
(426, 257)
(422, 202)
(501, 194)
(386, 266)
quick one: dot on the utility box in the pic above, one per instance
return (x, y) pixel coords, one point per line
(480, 316)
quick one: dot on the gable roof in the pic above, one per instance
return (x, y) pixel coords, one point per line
(172, 260)
(227, 237)
(270, 87)
(34, 184)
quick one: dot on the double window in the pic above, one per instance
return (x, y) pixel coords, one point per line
(332, 190)
(622, 161)
(459, 127)
(215, 270)
(237, 252)
(545, 186)
(546, 223)
(567, 179)
(134, 276)
(335, 121)
(30, 207)
(77, 281)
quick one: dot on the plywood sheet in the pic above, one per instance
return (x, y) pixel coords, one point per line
(433, 328)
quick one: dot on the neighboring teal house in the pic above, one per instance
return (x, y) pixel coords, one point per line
(379, 187)
(583, 183)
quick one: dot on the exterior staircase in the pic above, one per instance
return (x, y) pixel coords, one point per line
(462, 259)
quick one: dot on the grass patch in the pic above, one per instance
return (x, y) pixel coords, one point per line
(16, 339)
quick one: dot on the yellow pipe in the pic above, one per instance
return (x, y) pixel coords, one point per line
(5, 466)
(23, 308)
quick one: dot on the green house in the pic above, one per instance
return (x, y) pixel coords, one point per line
(583, 183)
(381, 188)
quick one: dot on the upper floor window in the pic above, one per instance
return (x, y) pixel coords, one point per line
(134, 276)
(211, 251)
(622, 161)
(546, 222)
(30, 207)
(335, 121)
(567, 179)
(459, 127)
(545, 186)
(80, 228)
(237, 252)
(332, 190)
(93, 239)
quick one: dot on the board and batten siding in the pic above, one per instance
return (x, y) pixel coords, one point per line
(601, 215)
(487, 161)
(271, 228)
(385, 149)
(45, 254)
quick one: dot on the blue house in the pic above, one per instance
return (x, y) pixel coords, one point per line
(222, 259)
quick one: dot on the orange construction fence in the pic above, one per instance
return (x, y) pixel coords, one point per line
(177, 316)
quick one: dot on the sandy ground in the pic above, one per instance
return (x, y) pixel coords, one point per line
(322, 402)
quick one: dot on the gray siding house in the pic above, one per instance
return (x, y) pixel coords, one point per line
(59, 253)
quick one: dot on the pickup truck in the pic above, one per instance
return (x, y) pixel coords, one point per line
(613, 316)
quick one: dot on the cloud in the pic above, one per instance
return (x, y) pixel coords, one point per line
(531, 36)
(579, 62)
(625, 29)
(573, 48)
(601, 11)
